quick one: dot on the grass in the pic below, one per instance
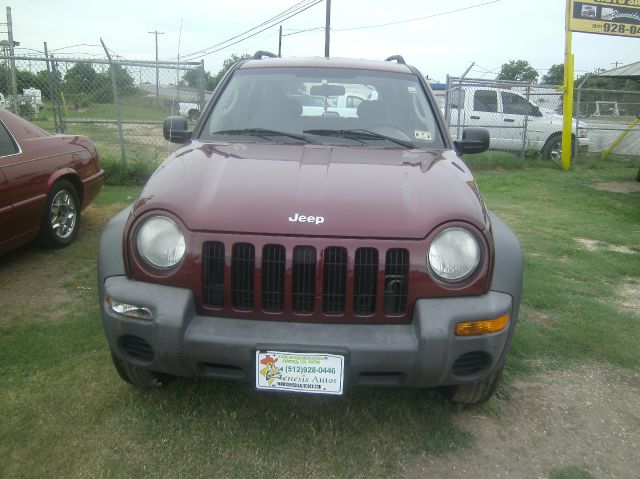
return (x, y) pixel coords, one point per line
(570, 472)
(65, 413)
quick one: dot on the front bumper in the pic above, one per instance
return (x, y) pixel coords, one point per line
(424, 353)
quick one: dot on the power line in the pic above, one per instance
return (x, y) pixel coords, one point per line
(417, 18)
(291, 11)
(303, 31)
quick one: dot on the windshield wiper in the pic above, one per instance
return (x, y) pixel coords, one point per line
(261, 132)
(358, 134)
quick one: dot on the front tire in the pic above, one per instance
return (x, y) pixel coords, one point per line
(62, 215)
(139, 376)
(552, 149)
(475, 392)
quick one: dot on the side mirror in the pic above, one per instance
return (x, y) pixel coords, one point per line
(175, 129)
(474, 140)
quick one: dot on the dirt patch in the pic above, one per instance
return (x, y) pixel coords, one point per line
(594, 245)
(619, 186)
(41, 289)
(40, 283)
(629, 296)
(588, 417)
(531, 315)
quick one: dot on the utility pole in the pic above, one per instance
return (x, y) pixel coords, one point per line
(327, 29)
(156, 33)
(12, 63)
(615, 65)
(280, 42)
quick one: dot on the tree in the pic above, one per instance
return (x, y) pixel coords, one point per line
(103, 93)
(192, 76)
(518, 70)
(212, 82)
(81, 78)
(555, 75)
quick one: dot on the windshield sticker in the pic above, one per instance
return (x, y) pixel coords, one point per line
(422, 135)
(412, 89)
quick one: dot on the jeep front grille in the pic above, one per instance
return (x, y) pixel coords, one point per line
(303, 288)
(333, 281)
(334, 290)
(243, 265)
(213, 274)
(365, 276)
(273, 268)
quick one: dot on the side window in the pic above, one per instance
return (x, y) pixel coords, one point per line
(7, 145)
(513, 104)
(485, 100)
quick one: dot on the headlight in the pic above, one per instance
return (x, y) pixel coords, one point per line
(160, 242)
(454, 254)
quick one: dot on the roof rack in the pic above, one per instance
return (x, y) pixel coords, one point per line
(261, 53)
(397, 58)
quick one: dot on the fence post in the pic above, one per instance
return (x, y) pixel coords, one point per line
(116, 102)
(201, 86)
(458, 135)
(525, 125)
(54, 99)
(447, 102)
(579, 106)
(12, 65)
(57, 90)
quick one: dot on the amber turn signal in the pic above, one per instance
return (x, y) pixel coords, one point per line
(475, 328)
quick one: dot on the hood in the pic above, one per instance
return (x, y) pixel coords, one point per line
(313, 190)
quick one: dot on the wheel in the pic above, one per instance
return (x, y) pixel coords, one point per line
(552, 149)
(62, 215)
(475, 392)
(139, 376)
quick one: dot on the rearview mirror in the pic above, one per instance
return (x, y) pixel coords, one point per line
(474, 140)
(175, 129)
(327, 90)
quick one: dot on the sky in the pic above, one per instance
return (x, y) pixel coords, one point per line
(487, 32)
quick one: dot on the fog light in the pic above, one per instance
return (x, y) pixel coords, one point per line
(130, 310)
(475, 328)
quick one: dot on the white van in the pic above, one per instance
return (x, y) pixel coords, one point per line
(507, 115)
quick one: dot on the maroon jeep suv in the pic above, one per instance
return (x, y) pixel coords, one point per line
(316, 231)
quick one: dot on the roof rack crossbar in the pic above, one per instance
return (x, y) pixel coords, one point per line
(397, 58)
(262, 53)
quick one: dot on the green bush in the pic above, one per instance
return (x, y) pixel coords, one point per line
(133, 173)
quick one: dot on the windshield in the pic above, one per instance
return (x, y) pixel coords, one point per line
(324, 105)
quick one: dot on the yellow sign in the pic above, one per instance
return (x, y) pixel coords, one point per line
(606, 17)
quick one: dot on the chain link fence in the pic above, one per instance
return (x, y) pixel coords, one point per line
(526, 119)
(119, 104)
(609, 116)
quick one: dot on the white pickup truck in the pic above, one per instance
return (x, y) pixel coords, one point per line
(507, 115)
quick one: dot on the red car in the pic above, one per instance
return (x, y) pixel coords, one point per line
(45, 181)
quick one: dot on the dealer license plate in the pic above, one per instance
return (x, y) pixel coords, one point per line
(300, 372)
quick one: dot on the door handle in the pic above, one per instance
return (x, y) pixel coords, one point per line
(509, 120)
(473, 117)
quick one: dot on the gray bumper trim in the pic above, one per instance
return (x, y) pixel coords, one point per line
(418, 354)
